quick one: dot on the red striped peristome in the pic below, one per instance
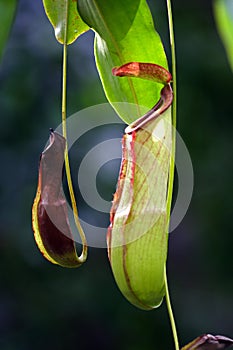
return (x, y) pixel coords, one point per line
(149, 71)
(160, 107)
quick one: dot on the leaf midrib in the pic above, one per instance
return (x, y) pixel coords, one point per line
(66, 21)
(121, 57)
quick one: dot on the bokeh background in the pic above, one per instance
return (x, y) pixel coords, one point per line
(47, 307)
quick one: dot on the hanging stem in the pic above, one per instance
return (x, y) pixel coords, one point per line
(173, 52)
(174, 110)
(172, 163)
(170, 313)
(83, 256)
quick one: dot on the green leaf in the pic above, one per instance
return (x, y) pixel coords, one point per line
(7, 11)
(124, 33)
(223, 10)
(65, 19)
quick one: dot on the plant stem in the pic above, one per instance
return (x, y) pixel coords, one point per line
(170, 313)
(174, 109)
(172, 163)
(83, 256)
(173, 52)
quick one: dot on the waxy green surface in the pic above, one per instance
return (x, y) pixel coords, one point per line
(65, 19)
(124, 33)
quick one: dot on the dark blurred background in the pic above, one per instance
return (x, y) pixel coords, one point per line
(43, 306)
